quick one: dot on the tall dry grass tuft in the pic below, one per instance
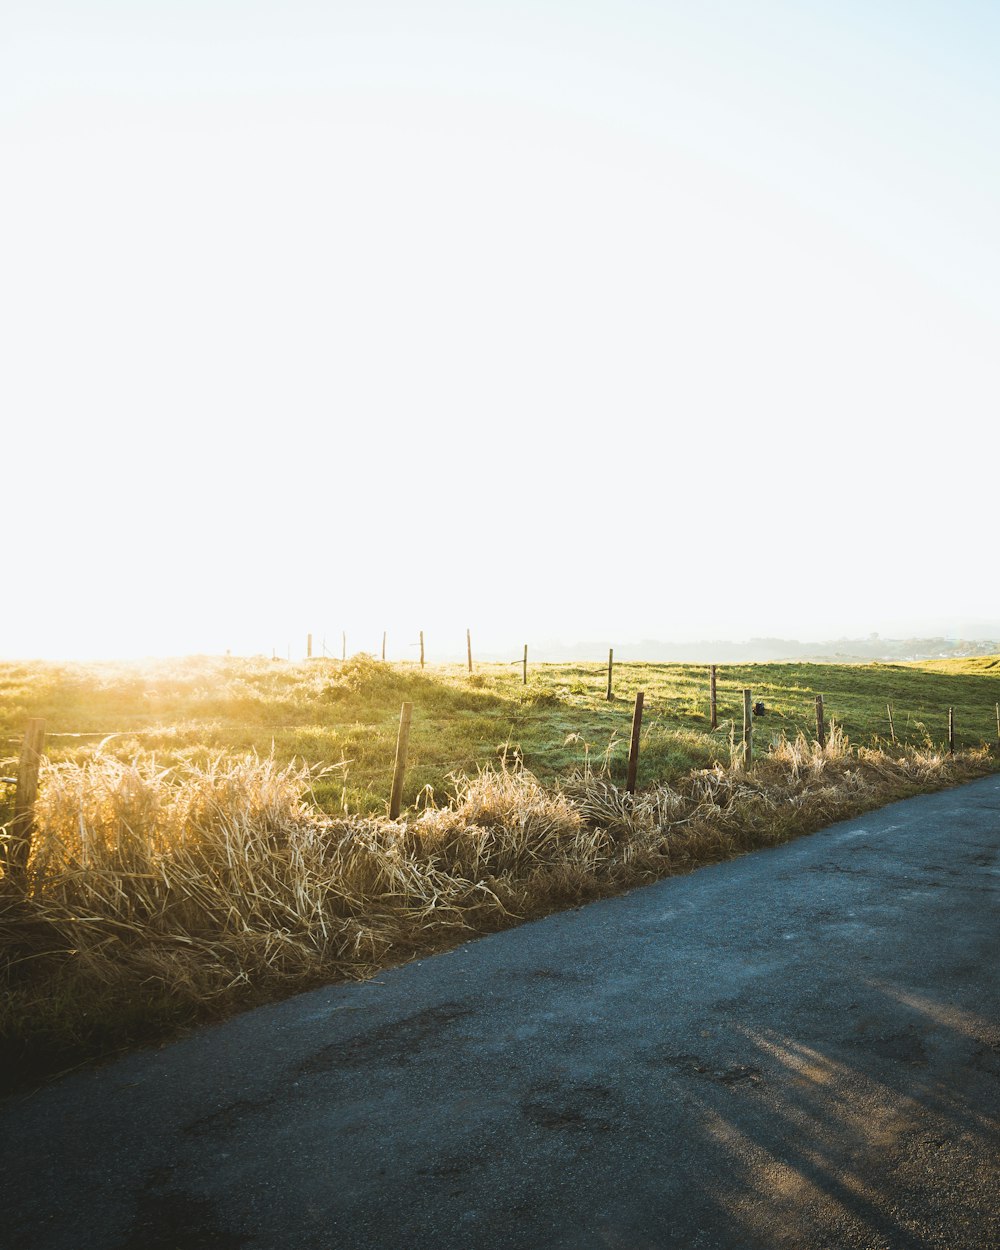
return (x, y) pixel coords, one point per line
(157, 892)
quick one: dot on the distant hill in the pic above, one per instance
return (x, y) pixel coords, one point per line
(762, 650)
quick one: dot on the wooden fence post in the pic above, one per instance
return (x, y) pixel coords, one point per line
(951, 731)
(383, 646)
(343, 646)
(820, 723)
(525, 664)
(309, 646)
(611, 663)
(402, 745)
(23, 824)
(998, 722)
(421, 648)
(468, 647)
(892, 728)
(633, 751)
(711, 698)
(747, 730)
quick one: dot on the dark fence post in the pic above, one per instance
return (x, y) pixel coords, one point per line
(402, 745)
(820, 723)
(633, 753)
(747, 730)
(711, 698)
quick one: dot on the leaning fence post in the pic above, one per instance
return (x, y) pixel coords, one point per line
(892, 730)
(525, 680)
(820, 723)
(711, 698)
(747, 730)
(421, 648)
(23, 824)
(951, 731)
(402, 744)
(633, 752)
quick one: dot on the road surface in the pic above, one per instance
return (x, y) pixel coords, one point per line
(799, 1049)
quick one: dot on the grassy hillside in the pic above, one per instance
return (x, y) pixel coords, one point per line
(975, 665)
(342, 717)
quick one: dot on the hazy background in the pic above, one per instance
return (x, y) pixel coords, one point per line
(559, 320)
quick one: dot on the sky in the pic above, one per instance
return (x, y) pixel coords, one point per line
(552, 320)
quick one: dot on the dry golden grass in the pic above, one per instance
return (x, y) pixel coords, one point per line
(159, 895)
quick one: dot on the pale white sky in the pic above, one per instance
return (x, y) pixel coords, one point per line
(557, 320)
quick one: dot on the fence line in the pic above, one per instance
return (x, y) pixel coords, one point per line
(18, 846)
(16, 851)
(513, 716)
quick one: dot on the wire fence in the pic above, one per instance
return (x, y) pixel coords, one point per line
(373, 775)
(513, 720)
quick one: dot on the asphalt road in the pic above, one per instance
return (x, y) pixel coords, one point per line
(800, 1048)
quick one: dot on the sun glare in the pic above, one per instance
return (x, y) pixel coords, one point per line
(562, 326)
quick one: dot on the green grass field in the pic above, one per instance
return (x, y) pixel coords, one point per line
(342, 718)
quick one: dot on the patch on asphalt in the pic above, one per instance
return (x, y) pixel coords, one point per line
(393, 1044)
(694, 1065)
(548, 974)
(457, 1168)
(985, 1058)
(903, 1047)
(587, 1108)
(835, 867)
(447, 1169)
(228, 1117)
(172, 1218)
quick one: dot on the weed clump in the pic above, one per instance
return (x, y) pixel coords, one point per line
(362, 674)
(540, 697)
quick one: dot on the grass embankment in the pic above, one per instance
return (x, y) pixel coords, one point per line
(173, 878)
(342, 719)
